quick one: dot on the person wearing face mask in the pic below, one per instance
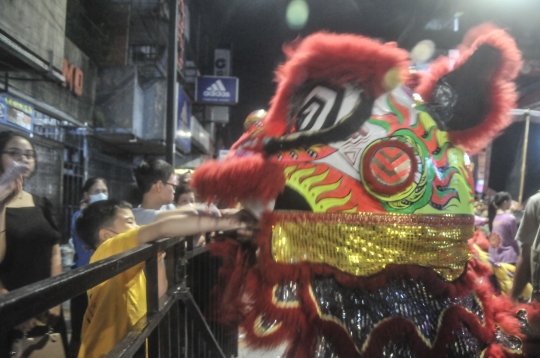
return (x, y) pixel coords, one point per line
(94, 189)
(32, 241)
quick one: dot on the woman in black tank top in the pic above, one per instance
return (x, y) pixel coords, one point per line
(32, 251)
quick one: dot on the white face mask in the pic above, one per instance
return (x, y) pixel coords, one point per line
(98, 197)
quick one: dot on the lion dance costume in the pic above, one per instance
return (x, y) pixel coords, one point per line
(360, 176)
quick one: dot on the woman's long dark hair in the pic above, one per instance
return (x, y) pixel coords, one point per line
(494, 204)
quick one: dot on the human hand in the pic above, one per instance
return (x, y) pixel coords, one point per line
(201, 241)
(26, 326)
(228, 212)
(53, 315)
(245, 224)
(207, 209)
(10, 190)
(188, 210)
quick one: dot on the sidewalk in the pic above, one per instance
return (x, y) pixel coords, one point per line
(255, 353)
(244, 352)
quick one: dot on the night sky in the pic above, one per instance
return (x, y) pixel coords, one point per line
(257, 29)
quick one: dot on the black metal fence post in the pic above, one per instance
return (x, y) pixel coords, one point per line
(152, 301)
(174, 324)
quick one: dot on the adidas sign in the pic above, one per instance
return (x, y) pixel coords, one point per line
(217, 89)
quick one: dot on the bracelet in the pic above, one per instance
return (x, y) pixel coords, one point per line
(2, 231)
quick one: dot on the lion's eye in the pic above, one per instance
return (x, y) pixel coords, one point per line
(324, 107)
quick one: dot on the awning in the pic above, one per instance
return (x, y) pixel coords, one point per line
(14, 57)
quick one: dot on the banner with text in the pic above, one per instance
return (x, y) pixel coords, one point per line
(16, 113)
(216, 90)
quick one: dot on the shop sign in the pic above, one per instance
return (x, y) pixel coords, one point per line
(216, 90)
(74, 78)
(16, 113)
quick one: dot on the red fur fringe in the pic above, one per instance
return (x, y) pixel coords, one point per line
(239, 178)
(503, 92)
(479, 239)
(398, 328)
(337, 58)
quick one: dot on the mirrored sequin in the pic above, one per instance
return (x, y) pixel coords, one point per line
(528, 330)
(324, 348)
(363, 244)
(510, 342)
(360, 310)
(397, 350)
(466, 345)
(286, 292)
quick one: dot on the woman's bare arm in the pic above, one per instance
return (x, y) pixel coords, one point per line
(162, 275)
(56, 269)
(8, 191)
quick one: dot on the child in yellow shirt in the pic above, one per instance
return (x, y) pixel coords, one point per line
(116, 305)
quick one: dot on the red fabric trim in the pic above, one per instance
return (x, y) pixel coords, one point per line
(502, 90)
(276, 273)
(400, 328)
(250, 274)
(372, 218)
(237, 179)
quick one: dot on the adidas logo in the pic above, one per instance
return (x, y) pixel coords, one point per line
(217, 89)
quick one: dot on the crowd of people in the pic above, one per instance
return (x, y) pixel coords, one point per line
(30, 241)
(505, 231)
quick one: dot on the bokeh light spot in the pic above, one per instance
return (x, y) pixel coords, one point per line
(297, 14)
(423, 51)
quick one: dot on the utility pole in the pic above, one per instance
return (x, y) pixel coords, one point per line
(172, 52)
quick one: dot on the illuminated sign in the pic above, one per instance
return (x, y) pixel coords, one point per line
(216, 90)
(183, 126)
(16, 113)
(74, 78)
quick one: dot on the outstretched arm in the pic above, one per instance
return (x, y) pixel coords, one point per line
(523, 272)
(184, 225)
(187, 210)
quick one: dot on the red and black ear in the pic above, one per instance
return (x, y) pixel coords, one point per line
(472, 102)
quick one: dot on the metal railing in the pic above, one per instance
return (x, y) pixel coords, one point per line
(174, 326)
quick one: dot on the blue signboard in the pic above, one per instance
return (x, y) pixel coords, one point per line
(183, 125)
(217, 90)
(16, 113)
